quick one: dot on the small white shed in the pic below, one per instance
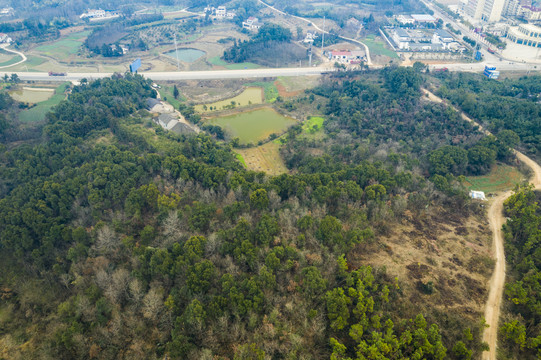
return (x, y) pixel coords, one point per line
(478, 195)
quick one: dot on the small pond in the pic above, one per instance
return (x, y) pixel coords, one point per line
(252, 126)
(186, 55)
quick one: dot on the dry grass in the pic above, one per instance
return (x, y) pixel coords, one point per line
(264, 158)
(452, 252)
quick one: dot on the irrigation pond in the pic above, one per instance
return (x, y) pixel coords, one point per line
(253, 126)
(186, 55)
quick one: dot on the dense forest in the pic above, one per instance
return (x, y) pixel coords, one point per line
(520, 331)
(121, 240)
(499, 105)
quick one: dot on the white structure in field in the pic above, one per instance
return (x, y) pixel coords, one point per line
(96, 15)
(478, 195)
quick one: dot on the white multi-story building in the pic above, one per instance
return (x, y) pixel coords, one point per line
(487, 10)
(530, 13)
(221, 12)
(525, 34)
(252, 23)
(511, 8)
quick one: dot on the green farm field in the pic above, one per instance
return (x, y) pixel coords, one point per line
(378, 47)
(251, 95)
(166, 93)
(253, 126)
(64, 48)
(500, 178)
(7, 58)
(38, 112)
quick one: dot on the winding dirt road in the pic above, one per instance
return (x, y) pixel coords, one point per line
(5, 47)
(496, 220)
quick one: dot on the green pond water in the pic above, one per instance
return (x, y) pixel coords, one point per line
(31, 96)
(252, 126)
(251, 95)
(186, 55)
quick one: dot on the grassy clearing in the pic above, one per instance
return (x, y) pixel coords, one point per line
(263, 158)
(251, 95)
(253, 126)
(61, 49)
(38, 112)
(313, 124)
(297, 83)
(34, 61)
(271, 92)
(166, 93)
(241, 66)
(311, 128)
(500, 178)
(78, 35)
(216, 61)
(378, 47)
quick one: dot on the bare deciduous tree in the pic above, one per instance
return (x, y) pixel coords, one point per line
(153, 304)
(117, 289)
(107, 241)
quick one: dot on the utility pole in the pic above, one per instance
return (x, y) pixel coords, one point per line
(176, 52)
(323, 36)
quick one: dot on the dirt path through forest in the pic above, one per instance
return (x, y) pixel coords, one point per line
(496, 220)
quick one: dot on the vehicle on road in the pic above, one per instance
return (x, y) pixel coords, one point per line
(52, 73)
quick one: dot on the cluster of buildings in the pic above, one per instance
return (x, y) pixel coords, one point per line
(220, 12)
(352, 57)
(423, 40)
(97, 15)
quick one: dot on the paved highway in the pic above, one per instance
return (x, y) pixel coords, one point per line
(182, 75)
(261, 73)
